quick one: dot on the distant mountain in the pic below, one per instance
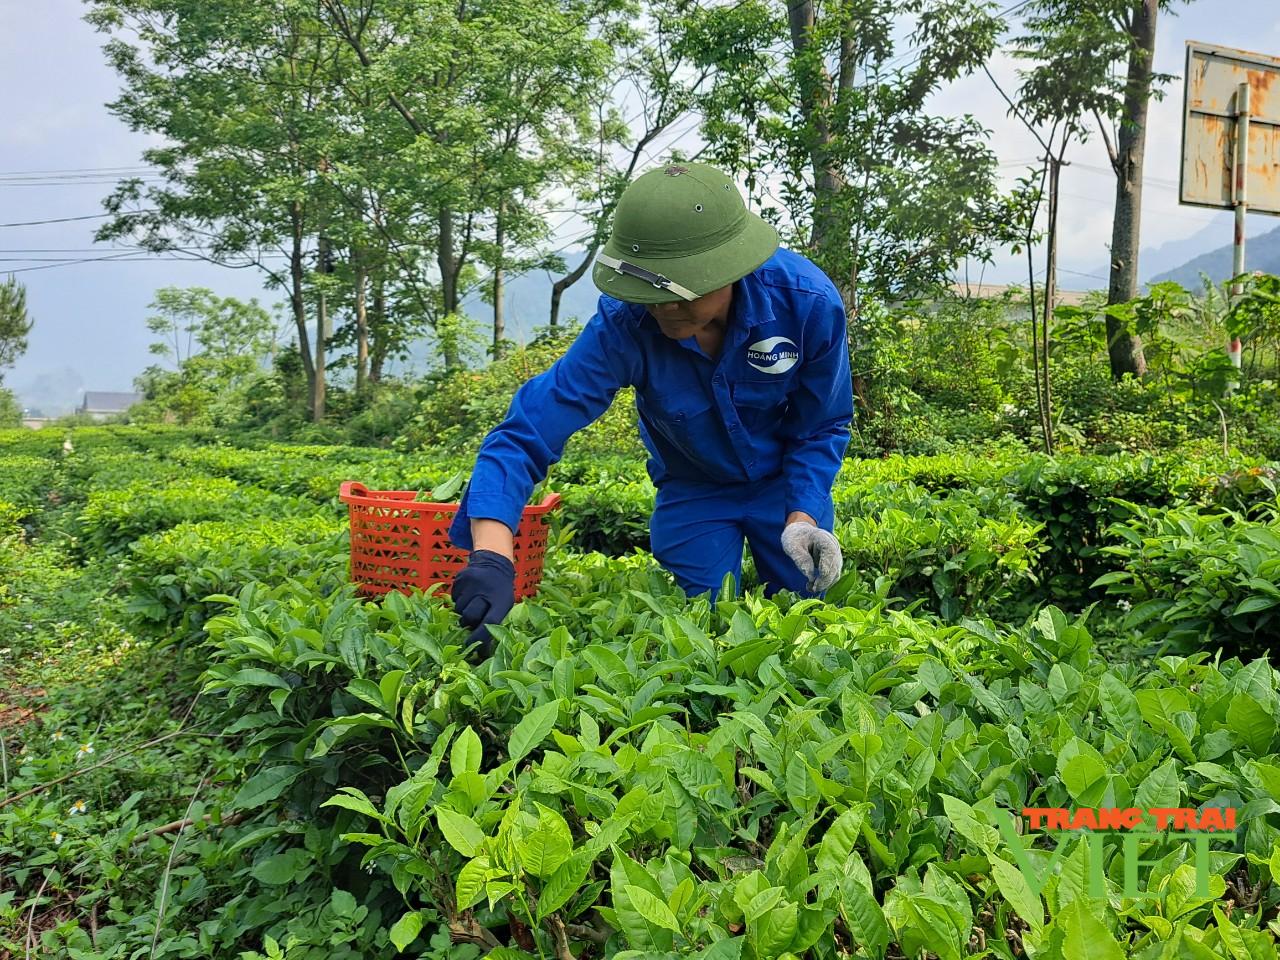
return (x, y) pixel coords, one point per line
(1153, 261)
(1261, 253)
(1173, 254)
(528, 300)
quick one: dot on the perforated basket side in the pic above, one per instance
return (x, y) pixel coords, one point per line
(398, 543)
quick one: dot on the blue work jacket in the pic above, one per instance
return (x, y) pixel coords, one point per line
(777, 400)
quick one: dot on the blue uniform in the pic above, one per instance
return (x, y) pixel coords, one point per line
(735, 443)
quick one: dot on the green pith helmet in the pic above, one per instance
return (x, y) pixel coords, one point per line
(680, 232)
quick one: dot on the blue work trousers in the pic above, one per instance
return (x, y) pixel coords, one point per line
(698, 530)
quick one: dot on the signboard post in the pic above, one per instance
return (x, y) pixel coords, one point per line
(1231, 139)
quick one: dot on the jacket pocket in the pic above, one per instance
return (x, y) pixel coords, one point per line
(676, 409)
(761, 394)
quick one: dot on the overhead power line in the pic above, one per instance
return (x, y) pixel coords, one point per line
(77, 170)
(88, 216)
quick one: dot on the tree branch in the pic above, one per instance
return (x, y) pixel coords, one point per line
(1013, 109)
(1112, 154)
(561, 938)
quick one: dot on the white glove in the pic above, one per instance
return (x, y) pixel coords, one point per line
(815, 552)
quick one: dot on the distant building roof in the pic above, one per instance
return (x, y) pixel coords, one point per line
(107, 401)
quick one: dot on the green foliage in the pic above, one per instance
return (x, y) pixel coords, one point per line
(1199, 579)
(10, 410)
(963, 553)
(24, 479)
(214, 346)
(15, 323)
(170, 576)
(666, 777)
(113, 519)
(886, 196)
(609, 514)
(633, 775)
(457, 410)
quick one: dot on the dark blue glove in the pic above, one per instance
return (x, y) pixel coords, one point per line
(484, 593)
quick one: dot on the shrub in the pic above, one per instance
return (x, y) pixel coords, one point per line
(456, 410)
(113, 519)
(1198, 579)
(747, 772)
(26, 479)
(962, 553)
(169, 576)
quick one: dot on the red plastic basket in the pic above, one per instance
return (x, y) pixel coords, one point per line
(398, 543)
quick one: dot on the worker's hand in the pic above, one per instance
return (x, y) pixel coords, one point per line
(815, 551)
(484, 593)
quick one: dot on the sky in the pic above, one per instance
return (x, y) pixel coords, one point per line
(61, 151)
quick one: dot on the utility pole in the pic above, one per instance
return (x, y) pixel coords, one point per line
(1240, 200)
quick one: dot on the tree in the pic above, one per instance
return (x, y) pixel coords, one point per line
(216, 345)
(11, 412)
(660, 69)
(15, 323)
(1105, 48)
(240, 93)
(224, 329)
(833, 136)
(480, 112)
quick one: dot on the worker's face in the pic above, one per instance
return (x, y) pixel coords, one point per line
(680, 319)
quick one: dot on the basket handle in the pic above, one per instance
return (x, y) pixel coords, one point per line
(352, 488)
(549, 502)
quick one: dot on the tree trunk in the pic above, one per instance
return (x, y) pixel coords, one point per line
(298, 301)
(362, 322)
(1125, 348)
(1050, 295)
(378, 312)
(322, 334)
(499, 278)
(815, 105)
(448, 263)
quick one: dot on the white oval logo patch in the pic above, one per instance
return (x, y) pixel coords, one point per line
(775, 355)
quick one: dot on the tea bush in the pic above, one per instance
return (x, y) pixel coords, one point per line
(1198, 580)
(168, 576)
(964, 552)
(25, 479)
(113, 519)
(743, 778)
(633, 775)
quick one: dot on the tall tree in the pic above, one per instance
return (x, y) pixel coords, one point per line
(663, 73)
(487, 99)
(15, 323)
(1106, 48)
(833, 134)
(239, 91)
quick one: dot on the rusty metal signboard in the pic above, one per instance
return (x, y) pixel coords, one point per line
(1231, 129)
(1231, 141)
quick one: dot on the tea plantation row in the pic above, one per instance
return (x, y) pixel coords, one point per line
(213, 749)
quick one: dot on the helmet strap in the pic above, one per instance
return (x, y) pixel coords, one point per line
(640, 273)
